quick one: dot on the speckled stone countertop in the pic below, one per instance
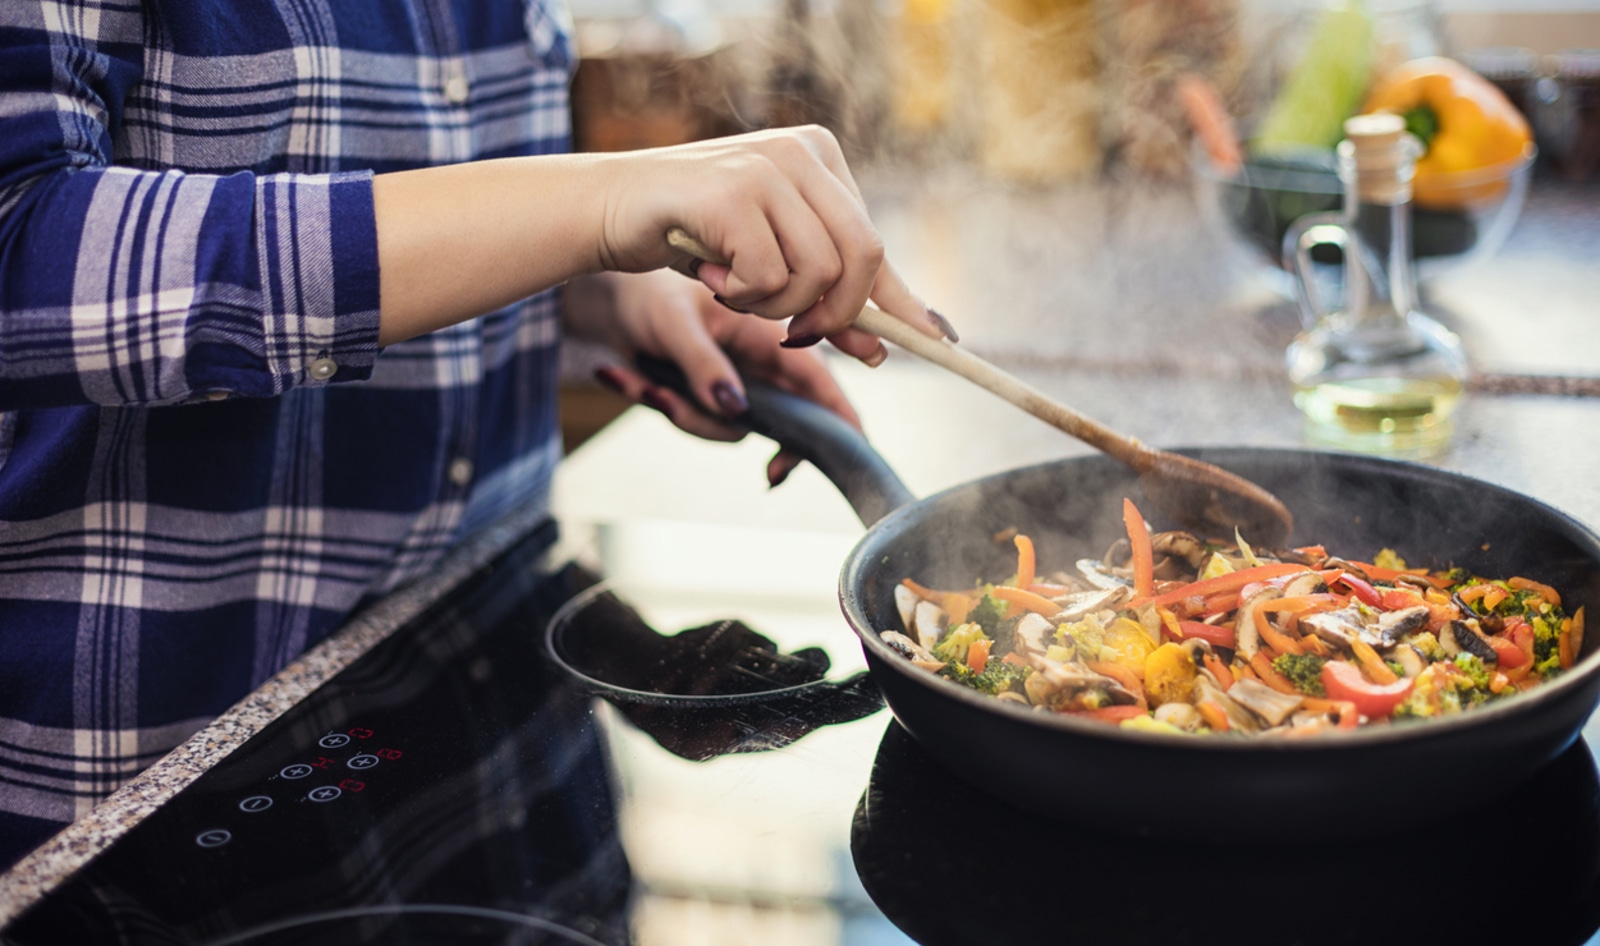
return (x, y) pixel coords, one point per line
(49, 865)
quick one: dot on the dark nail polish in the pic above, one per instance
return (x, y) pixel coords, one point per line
(653, 398)
(608, 378)
(800, 341)
(945, 326)
(728, 305)
(728, 399)
(776, 480)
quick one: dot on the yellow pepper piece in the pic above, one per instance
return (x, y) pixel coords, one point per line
(1466, 123)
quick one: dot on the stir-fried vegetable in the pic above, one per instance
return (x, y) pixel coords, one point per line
(1242, 640)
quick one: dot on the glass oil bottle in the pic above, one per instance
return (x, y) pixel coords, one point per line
(1371, 373)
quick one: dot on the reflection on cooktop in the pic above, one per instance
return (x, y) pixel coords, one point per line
(948, 864)
(707, 691)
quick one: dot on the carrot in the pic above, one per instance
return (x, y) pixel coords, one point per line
(1275, 638)
(1564, 643)
(1016, 660)
(1213, 715)
(1575, 636)
(1316, 645)
(1046, 589)
(1219, 670)
(1246, 672)
(1232, 581)
(1026, 600)
(1262, 665)
(957, 606)
(1144, 566)
(1109, 714)
(1542, 590)
(978, 654)
(1122, 675)
(1025, 560)
(1349, 718)
(1377, 671)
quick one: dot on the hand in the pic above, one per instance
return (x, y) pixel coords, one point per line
(664, 314)
(783, 209)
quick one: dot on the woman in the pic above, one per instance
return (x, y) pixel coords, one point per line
(278, 325)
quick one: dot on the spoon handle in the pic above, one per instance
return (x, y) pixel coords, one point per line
(963, 363)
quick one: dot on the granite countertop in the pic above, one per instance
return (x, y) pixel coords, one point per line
(1114, 299)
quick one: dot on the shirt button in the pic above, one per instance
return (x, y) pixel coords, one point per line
(324, 368)
(456, 89)
(460, 471)
(216, 395)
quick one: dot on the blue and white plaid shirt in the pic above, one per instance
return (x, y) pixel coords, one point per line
(206, 463)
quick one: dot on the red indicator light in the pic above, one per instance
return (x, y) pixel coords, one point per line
(361, 732)
(390, 754)
(322, 762)
(352, 785)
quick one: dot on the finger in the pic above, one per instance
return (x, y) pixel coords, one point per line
(780, 466)
(683, 415)
(860, 345)
(893, 296)
(812, 259)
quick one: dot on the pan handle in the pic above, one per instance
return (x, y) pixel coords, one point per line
(820, 436)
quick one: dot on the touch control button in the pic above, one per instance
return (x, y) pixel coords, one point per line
(365, 760)
(324, 793)
(215, 837)
(298, 770)
(334, 740)
(256, 803)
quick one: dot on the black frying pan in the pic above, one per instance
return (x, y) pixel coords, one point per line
(1369, 781)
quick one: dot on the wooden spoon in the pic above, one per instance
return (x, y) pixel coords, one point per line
(1200, 496)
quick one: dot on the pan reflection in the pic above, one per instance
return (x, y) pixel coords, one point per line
(950, 864)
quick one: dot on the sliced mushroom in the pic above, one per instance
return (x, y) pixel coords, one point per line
(1075, 606)
(912, 651)
(1336, 627)
(927, 622)
(1309, 583)
(1238, 717)
(905, 601)
(1393, 625)
(1264, 701)
(1181, 715)
(1458, 636)
(1247, 639)
(1053, 683)
(1032, 633)
(1411, 662)
(1180, 544)
(1100, 575)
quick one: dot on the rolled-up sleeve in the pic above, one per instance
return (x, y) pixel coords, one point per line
(123, 285)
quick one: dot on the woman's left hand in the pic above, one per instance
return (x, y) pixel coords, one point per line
(664, 314)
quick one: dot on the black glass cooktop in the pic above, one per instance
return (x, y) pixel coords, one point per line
(459, 785)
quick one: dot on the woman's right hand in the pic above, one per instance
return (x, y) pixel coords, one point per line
(782, 207)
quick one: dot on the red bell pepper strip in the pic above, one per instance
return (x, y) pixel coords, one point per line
(1109, 714)
(1232, 581)
(1144, 565)
(1362, 590)
(1344, 681)
(1213, 634)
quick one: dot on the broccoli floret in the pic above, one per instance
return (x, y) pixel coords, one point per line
(1395, 667)
(1084, 638)
(1473, 667)
(1549, 667)
(997, 677)
(988, 613)
(1457, 576)
(1546, 639)
(1303, 670)
(952, 648)
(1427, 645)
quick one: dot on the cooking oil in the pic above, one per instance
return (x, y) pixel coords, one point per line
(1398, 416)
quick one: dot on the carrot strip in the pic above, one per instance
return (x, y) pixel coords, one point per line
(1047, 589)
(923, 591)
(1122, 675)
(1232, 581)
(1377, 671)
(1025, 560)
(1026, 600)
(1213, 715)
(1262, 665)
(1219, 670)
(1246, 672)
(1541, 589)
(1576, 634)
(1564, 643)
(1275, 639)
(1316, 645)
(1144, 566)
(978, 654)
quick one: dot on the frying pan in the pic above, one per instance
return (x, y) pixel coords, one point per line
(1371, 781)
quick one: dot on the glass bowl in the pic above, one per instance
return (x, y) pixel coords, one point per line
(1457, 219)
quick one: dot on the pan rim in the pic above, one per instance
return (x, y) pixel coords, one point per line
(1578, 678)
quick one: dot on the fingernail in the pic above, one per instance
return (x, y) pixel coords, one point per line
(775, 480)
(800, 341)
(728, 305)
(944, 326)
(608, 378)
(728, 399)
(652, 398)
(876, 358)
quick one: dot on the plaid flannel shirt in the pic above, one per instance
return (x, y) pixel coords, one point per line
(206, 463)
